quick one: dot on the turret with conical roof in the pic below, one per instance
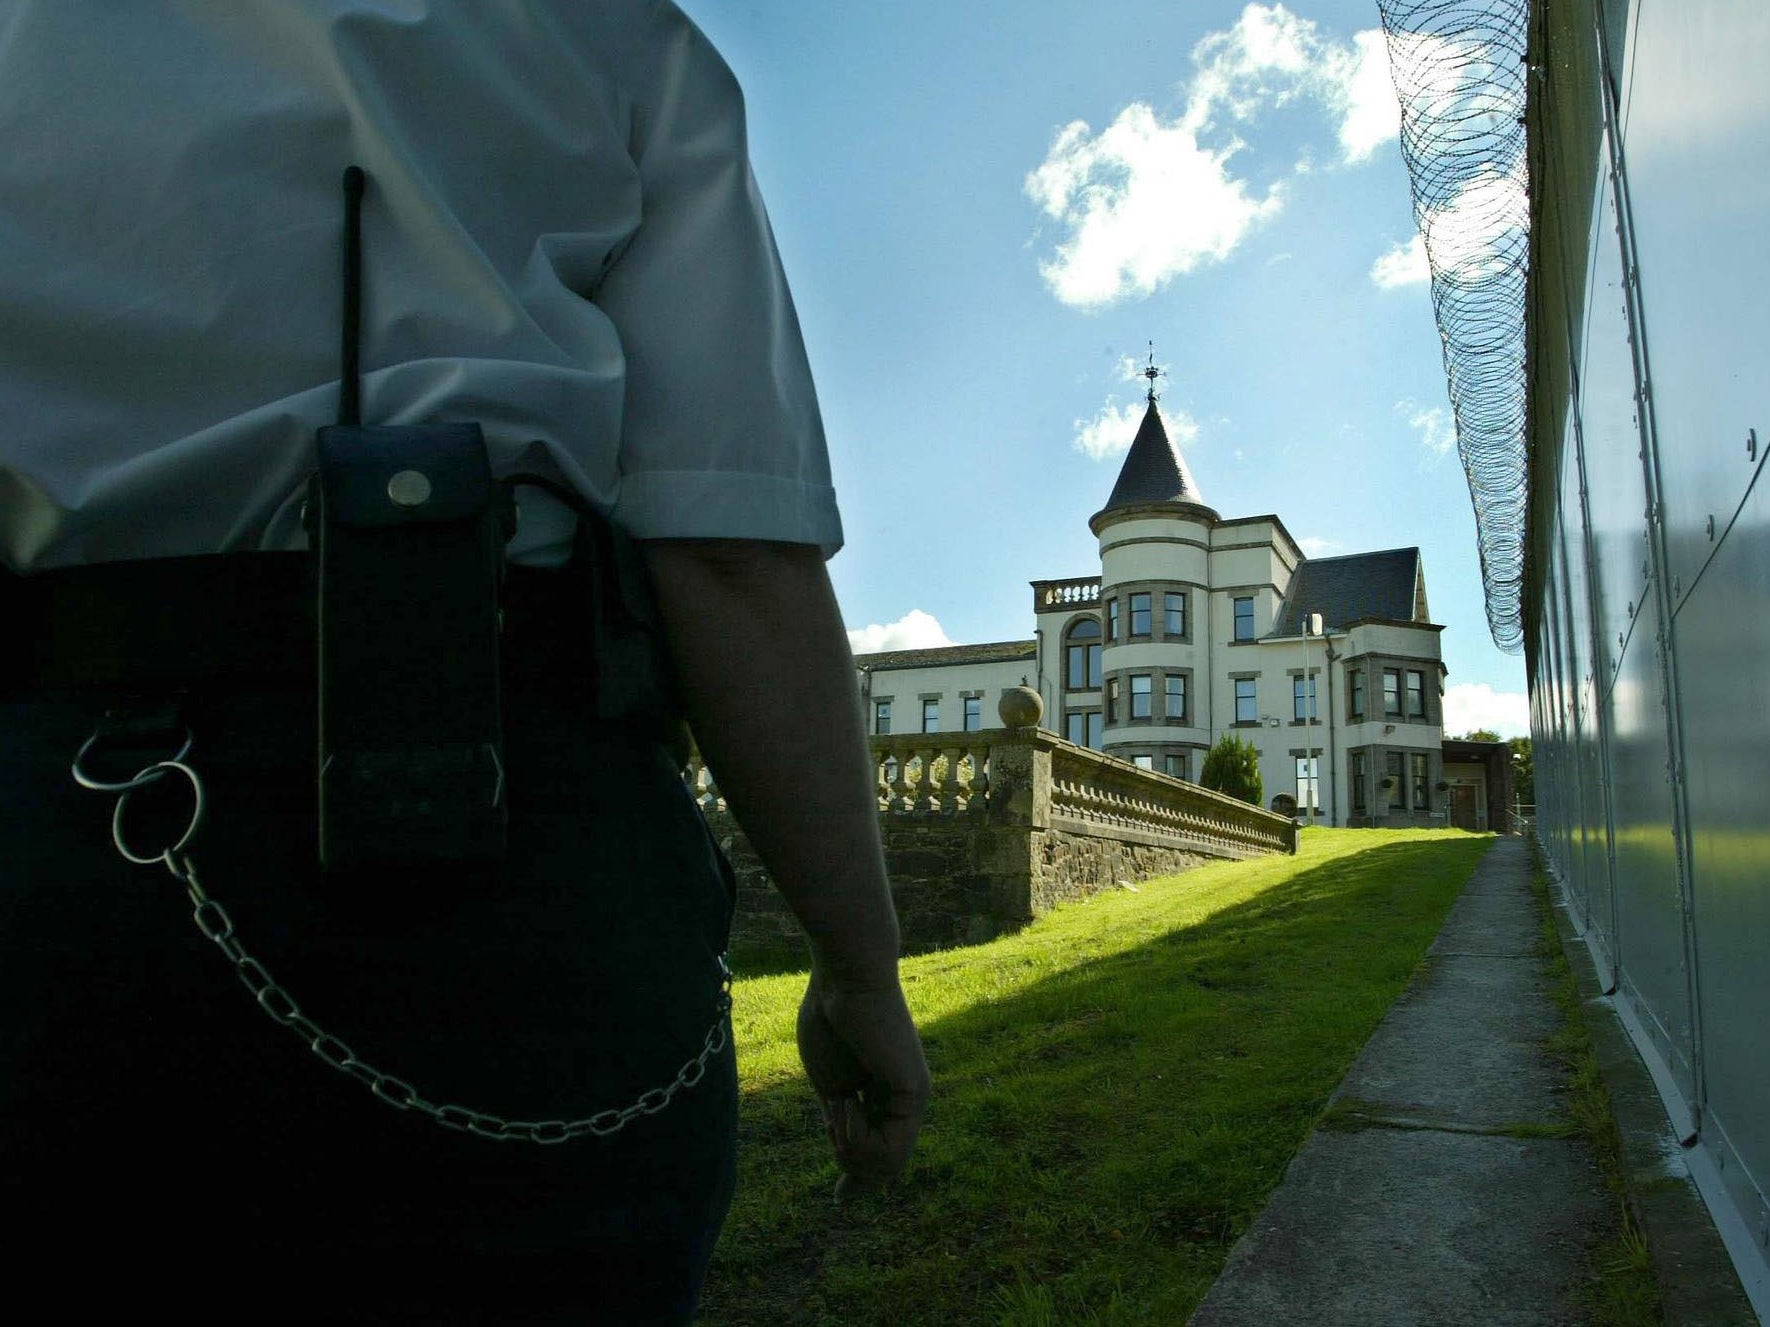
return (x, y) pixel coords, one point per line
(1155, 582)
(1154, 472)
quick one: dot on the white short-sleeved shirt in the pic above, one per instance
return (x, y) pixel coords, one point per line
(563, 241)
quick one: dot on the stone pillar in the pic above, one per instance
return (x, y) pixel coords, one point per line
(1008, 847)
(1020, 763)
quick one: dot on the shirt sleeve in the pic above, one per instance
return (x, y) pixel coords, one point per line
(721, 436)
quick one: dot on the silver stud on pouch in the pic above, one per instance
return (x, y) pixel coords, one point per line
(409, 488)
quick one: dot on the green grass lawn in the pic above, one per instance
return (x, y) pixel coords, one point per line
(1117, 1090)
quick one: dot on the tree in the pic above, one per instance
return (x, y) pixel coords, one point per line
(1233, 767)
(1479, 735)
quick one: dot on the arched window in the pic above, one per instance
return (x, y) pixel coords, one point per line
(1081, 656)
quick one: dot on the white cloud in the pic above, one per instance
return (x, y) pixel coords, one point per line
(915, 630)
(1272, 57)
(1472, 705)
(1435, 425)
(1403, 264)
(1111, 432)
(1315, 547)
(1129, 369)
(1143, 203)
(1267, 58)
(1364, 95)
(1467, 77)
(1479, 233)
(1149, 198)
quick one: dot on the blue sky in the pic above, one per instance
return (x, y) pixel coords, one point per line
(989, 209)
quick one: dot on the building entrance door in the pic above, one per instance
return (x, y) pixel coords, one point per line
(1463, 813)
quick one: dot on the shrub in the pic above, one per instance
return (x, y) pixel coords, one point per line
(1233, 767)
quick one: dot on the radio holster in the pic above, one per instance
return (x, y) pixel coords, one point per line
(409, 535)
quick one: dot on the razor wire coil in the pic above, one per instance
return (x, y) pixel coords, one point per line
(1460, 73)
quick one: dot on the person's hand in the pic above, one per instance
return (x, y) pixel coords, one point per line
(861, 1052)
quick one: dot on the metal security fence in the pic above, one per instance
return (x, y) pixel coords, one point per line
(1644, 599)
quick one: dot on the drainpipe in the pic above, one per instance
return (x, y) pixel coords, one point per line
(1210, 676)
(1327, 677)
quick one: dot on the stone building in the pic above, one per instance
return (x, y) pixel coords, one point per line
(1198, 625)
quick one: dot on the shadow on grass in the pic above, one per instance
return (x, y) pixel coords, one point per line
(753, 959)
(1098, 1137)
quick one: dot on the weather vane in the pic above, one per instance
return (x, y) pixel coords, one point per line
(1152, 373)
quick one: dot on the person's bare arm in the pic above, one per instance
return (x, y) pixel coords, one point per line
(768, 682)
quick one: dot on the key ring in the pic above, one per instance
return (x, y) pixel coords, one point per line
(152, 774)
(149, 775)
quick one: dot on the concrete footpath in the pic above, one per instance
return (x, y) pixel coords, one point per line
(1434, 1190)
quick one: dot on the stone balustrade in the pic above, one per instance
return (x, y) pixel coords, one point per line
(932, 772)
(912, 773)
(985, 830)
(1079, 590)
(1088, 788)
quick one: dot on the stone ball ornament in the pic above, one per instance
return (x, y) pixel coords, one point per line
(1020, 707)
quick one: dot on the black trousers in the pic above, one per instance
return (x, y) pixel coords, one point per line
(160, 1136)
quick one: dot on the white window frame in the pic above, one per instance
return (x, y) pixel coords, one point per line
(1308, 772)
(1253, 698)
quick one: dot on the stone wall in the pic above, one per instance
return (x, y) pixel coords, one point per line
(1072, 865)
(985, 831)
(944, 895)
(942, 882)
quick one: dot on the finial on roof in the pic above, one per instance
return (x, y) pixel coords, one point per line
(1152, 373)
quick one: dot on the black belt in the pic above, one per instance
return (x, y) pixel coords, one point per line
(242, 621)
(235, 619)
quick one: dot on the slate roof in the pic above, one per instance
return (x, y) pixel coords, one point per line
(1005, 651)
(1153, 470)
(1349, 589)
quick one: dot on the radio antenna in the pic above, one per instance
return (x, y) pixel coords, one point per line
(350, 387)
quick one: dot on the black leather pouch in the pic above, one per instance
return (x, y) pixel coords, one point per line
(410, 532)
